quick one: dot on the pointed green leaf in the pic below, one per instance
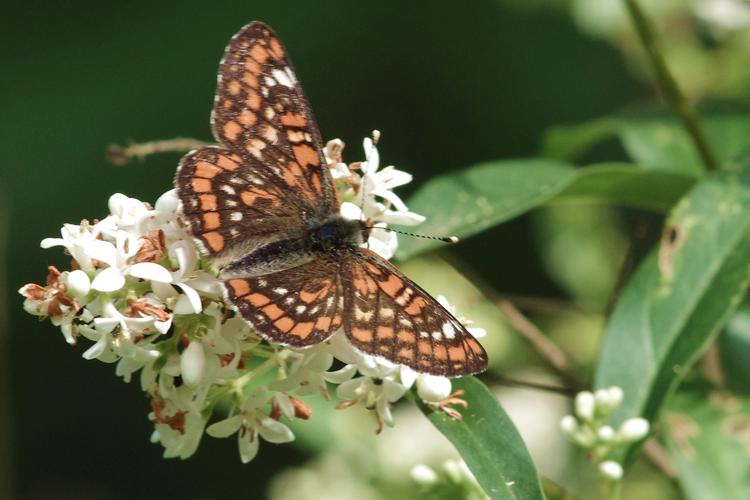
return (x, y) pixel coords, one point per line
(655, 141)
(680, 295)
(467, 202)
(489, 444)
(734, 347)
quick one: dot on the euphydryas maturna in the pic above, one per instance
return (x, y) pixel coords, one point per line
(263, 206)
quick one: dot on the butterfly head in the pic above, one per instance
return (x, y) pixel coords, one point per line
(337, 232)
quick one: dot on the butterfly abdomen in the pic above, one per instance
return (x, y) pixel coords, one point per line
(331, 235)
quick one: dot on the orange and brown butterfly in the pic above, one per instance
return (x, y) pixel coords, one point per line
(263, 207)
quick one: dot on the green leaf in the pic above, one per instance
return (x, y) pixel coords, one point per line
(706, 432)
(568, 142)
(474, 199)
(467, 202)
(626, 185)
(489, 444)
(680, 295)
(734, 348)
(654, 141)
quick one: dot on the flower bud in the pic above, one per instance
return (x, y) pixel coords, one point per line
(433, 388)
(611, 470)
(78, 284)
(193, 364)
(608, 399)
(585, 405)
(633, 429)
(569, 425)
(423, 474)
(605, 433)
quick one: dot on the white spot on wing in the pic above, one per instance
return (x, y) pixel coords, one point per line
(236, 216)
(227, 188)
(280, 291)
(282, 78)
(449, 330)
(300, 309)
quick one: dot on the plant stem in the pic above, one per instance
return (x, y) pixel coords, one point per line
(668, 84)
(609, 489)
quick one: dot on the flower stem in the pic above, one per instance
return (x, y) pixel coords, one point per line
(609, 489)
(668, 84)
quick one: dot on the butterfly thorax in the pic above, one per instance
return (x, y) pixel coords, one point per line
(335, 233)
(330, 235)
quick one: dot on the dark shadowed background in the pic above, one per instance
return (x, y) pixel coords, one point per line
(448, 84)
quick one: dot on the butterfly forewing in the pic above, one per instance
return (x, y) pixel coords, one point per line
(387, 314)
(231, 205)
(260, 110)
(301, 306)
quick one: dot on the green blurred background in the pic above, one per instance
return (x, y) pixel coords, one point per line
(448, 84)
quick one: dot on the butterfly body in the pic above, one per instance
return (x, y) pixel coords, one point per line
(263, 207)
(333, 235)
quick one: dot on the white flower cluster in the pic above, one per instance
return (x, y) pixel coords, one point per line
(587, 428)
(140, 291)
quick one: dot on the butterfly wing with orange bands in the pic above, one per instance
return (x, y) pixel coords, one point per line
(388, 315)
(261, 111)
(233, 205)
(301, 306)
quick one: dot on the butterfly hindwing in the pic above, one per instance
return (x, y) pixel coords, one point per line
(261, 111)
(388, 315)
(301, 306)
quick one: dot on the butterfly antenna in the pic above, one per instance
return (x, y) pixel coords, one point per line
(444, 239)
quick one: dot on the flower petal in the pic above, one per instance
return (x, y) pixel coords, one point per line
(248, 445)
(342, 375)
(193, 364)
(274, 431)
(102, 251)
(150, 271)
(224, 428)
(108, 280)
(189, 302)
(407, 376)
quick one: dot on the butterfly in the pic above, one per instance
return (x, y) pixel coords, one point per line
(263, 207)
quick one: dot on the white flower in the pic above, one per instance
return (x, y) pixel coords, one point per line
(179, 433)
(187, 278)
(249, 424)
(75, 239)
(375, 193)
(375, 393)
(308, 375)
